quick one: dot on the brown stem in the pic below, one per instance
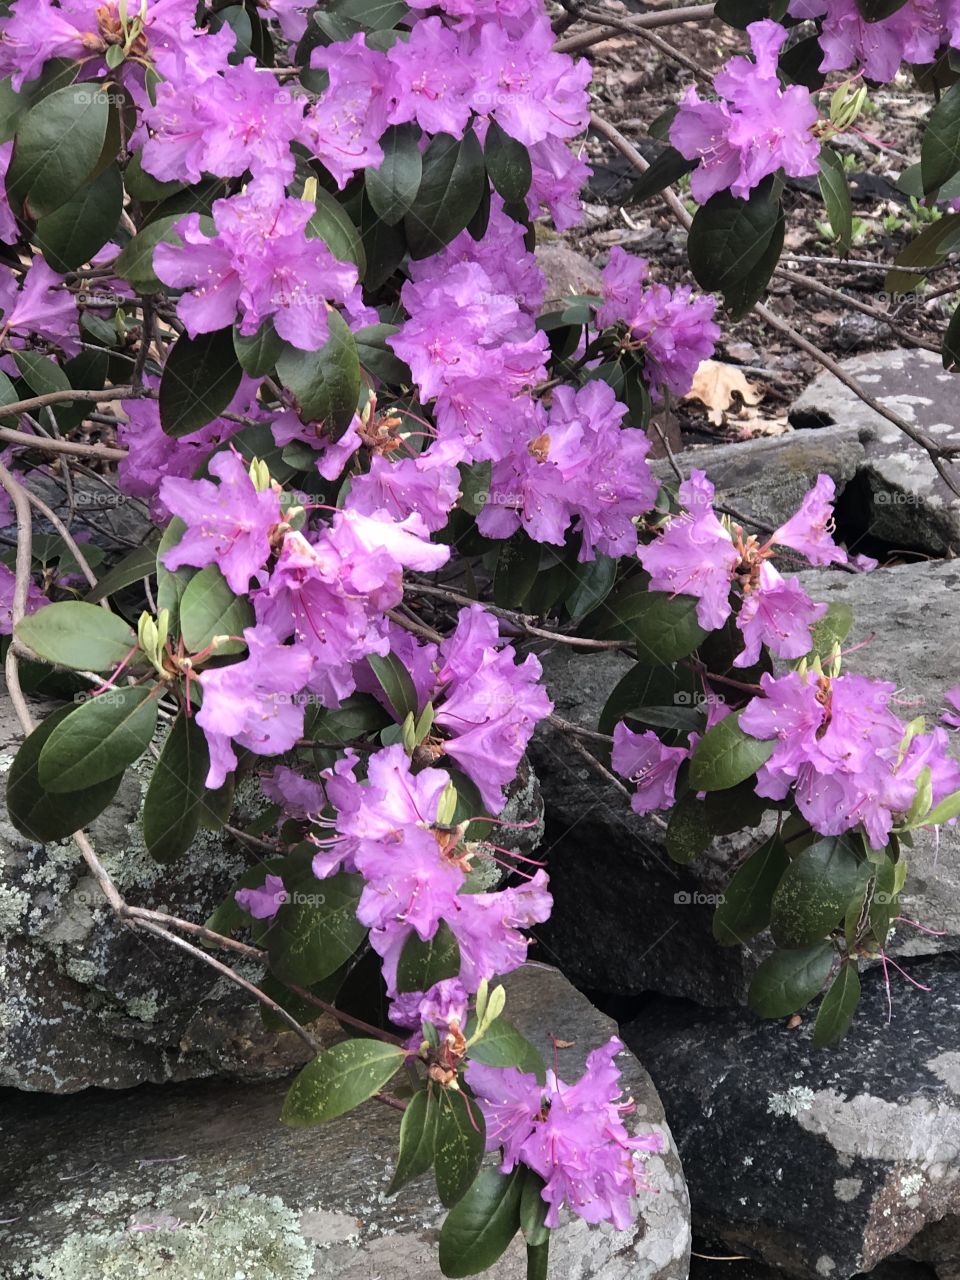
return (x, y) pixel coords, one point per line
(67, 537)
(646, 21)
(64, 396)
(518, 619)
(70, 448)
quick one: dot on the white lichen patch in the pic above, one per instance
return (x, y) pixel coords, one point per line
(236, 1236)
(790, 1103)
(14, 904)
(911, 1184)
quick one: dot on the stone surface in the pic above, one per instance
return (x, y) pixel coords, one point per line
(626, 919)
(566, 272)
(907, 620)
(820, 1162)
(197, 1181)
(909, 505)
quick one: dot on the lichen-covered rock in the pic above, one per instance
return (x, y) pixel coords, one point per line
(820, 1162)
(201, 1181)
(626, 919)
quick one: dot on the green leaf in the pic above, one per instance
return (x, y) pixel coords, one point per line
(669, 167)
(331, 224)
(688, 832)
(950, 349)
(537, 1260)
(940, 144)
(931, 247)
(836, 196)
(138, 564)
(461, 1135)
(325, 383)
(655, 695)
(72, 634)
(502, 1045)
(377, 358)
(317, 929)
(393, 187)
(395, 681)
(450, 190)
(788, 980)
(74, 233)
(99, 740)
(508, 164)
(339, 1080)
(209, 608)
(135, 263)
(478, 1229)
(517, 567)
(41, 374)
(259, 353)
(745, 908)
(838, 1006)
(812, 895)
(57, 148)
(725, 755)
(595, 581)
(533, 1209)
(418, 1136)
(171, 810)
(734, 246)
(833, 628)
(421, 964)
(662, 626)
(171, 583)
(200, 378)
(948, 808)
(144, 186)
(37, 813)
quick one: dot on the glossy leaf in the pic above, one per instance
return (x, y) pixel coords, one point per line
(317, 930)
(339, 1080)
(745, 908)
(99, 740)
(393, 187)
(418, 1137)
(200, 378)
(57, 148)
(502, 1045)
(331, 224)
(788, 980)
(208, 608)
(325, 383)
(450, 190)
(461, 1135)
(838, 1006)
(396, 682)
(78, 229)
(836, 196)
(508, 164)
(664, 627)
(421, 964)
(725, 756)
(533, 1209)
(814, 891)
(171, 810)
(734, 246)
(73, 634)
(479, 1228)
(259, 353)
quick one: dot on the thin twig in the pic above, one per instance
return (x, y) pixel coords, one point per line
(520, 620)
(646, 21)
(72, 448)
(66, 395)
(49, 514)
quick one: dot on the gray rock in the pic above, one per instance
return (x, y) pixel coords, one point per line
(567, 272)
(626, 919)
(907, 620)
(87, 1002)
(202, 1181)
(820, 1162)
(909, 505)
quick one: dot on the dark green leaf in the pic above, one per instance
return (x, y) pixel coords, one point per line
(877, 10)
(478, 1229)
(450, 191)
(656, 695)
(72, 634)
(393, 187)
(940, 144)
(950, 350)
(832, 629)
(533, 1209)
(395, 681)
(745, 908)
(171, 584)
(144, 186)
(258, 354)
(99, 740)
(200, 378)
(813, 893)
(595, 581)
(325, 383)
(418, 1137)
(138, 564)
(931, 247)
(421, 964)
(502, 1045)
(41, 374)
(209, 608)
(668, 168)
(78, 229)
(38, 814)
(57, 148)
(838, 1006)
(734, 246)
(836, 196)
(508, 164)
(461, 1136)
(725, 755)
(688, 831)
(788, 980)
(135, 263)
(171, 810)
(517, 567)
(339, 1080)
(317, 929)
(378, 358)
(537, 1260)
(664, 627)
(332, 225)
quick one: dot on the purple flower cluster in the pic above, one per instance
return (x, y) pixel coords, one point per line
(757, 128)
(843, 752)
(572, 1135)
(914, 34)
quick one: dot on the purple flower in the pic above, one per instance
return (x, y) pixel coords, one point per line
(345, 127)
(404, 487)
(757, 129)
(573, 1136)
(265, 901)
(8, 582)
(253, 703)
(810, 531)
(260, 263)
(778, 613)
(444, 1006)
(228, 524)
(912, 34)
(297, 795)
(649, 765)
(695, 555)
(40, 308)
(559, 175)
(431, 79)
(952, 717)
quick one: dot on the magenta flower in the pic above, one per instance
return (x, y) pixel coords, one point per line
(912, 34)
(431, 80)
(345, 127)
(757, 129)
(952, 717)
(810, 531)
(255, 703)
(40, 307)
(296, 795)
(8, 582)
(265, 901)
(778, 613)
(649, 765)
(228, 524)
(405, 487)
(573, 1136)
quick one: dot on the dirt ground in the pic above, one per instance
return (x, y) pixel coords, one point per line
(633, 84)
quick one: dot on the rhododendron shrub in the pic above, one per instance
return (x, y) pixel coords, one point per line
(293, 246)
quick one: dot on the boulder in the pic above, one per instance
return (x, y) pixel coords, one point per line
(905, 502)
(202, 1180)
(819, 1162)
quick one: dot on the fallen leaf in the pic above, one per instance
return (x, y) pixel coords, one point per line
(715, 384)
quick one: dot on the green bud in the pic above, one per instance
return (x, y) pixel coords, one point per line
(409, 735)
(447, 805)
(259, 474)
(425, 723)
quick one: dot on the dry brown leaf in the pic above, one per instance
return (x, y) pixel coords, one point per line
(715, 384)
